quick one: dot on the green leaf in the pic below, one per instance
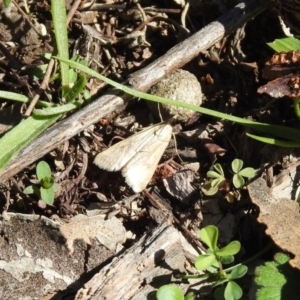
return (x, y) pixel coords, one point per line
(213, 269)
(47, 195)
(72, 75)
(238, 272)
(220, 281)
(83, 62)
(219, 293)
(214, 174)
(237, 165)
(45, 104)
(87, 95)
(39, 72)
(42, 170)
(230, 197)
(47, 182)
(208, 190)
(228, 259)
(29, 190)
(209, 235)
(277, 280)
(169, 292)
(76, 89)
(190, 296)
(247, 172)
(233, 291)
(238, 181)
(47, 55)
(285, 44)
(219, 169)
(217, 182)
(204, 261)
(231, 249)
(57, 110)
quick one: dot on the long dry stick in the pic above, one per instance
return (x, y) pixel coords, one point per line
(141, 80)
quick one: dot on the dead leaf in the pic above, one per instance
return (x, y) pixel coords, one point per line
(277, 88)
(109, 232)
(287, 58)
(281, 215)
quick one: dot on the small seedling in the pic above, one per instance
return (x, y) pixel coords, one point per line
(238, 178)
(219, 181)
(212, 262)
(47, 188)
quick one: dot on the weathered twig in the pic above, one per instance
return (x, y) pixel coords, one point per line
(141, 80)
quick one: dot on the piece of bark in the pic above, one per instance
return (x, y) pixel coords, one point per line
(140, 270)
(179, 186)
(286, 183)
(35, 261)
(142, 80)
(281, 217)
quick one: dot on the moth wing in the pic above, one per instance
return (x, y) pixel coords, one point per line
(117, 156)
(140, 169)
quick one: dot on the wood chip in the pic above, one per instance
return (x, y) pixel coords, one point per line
(109, 232)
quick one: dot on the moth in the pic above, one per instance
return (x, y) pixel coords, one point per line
(137, 156)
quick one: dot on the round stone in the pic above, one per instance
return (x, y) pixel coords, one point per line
(180, 85)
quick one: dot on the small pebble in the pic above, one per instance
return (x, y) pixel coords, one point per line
(180, 85)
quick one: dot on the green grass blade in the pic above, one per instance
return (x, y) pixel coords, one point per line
(57, 110)
(77, 88)
(58, 9)
(21, 135)
(285, 44)
(14, 96)
(277, 130)
(275, 142)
